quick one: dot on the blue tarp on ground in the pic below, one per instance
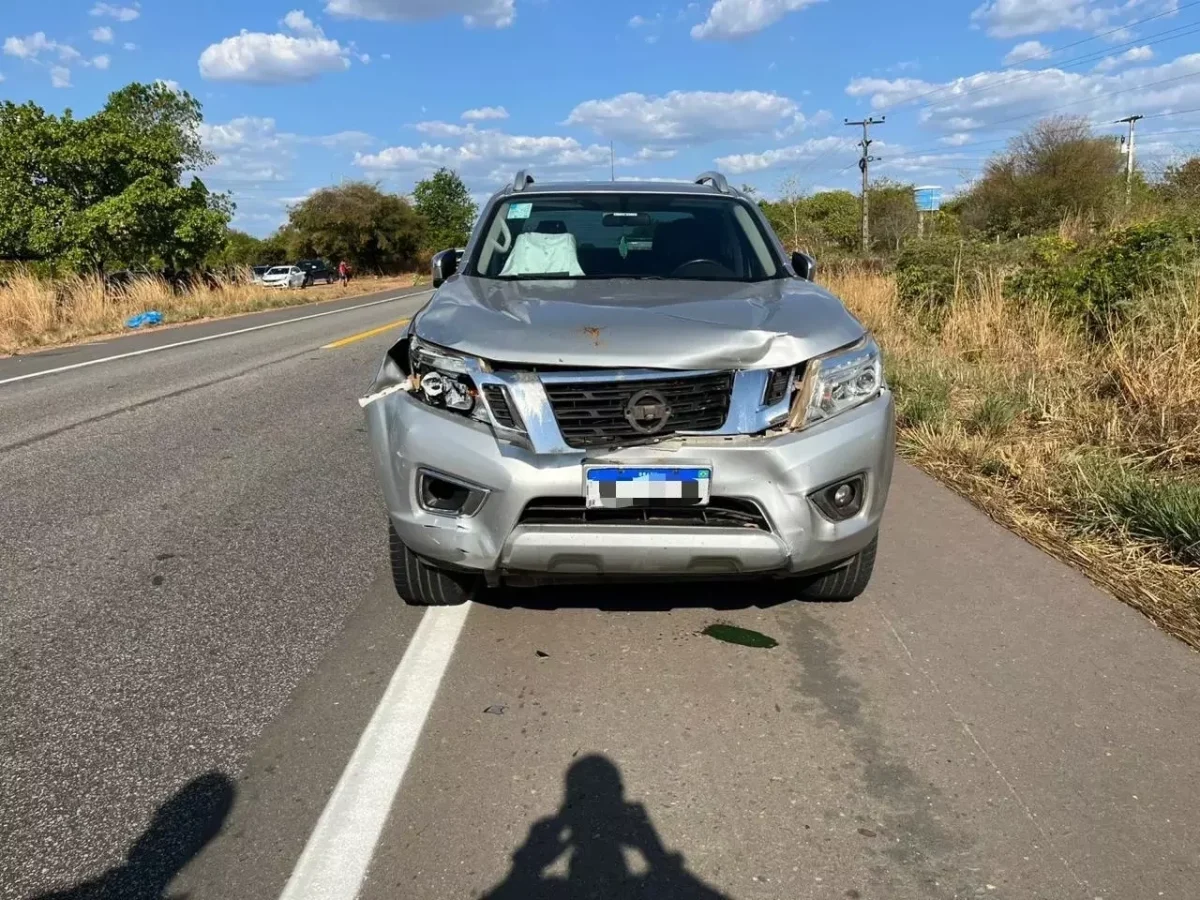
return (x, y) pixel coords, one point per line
(153, 317)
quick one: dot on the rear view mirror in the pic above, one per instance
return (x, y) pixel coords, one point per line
(804, 265)
(444, 265)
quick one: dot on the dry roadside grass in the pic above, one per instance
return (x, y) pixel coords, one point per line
(1088, 449)
(36, 312)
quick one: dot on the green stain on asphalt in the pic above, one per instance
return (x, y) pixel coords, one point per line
(744, 637)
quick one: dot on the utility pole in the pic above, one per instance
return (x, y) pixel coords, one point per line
(612, 162)
(864, 164)
(1130, 120)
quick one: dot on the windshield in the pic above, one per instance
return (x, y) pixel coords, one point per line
(678, 236)
(280, 270)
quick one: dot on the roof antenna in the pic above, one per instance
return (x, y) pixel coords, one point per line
(612, 162)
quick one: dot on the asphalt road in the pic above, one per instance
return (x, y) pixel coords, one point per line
(199, 646)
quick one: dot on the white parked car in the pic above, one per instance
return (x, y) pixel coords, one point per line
(285, 277)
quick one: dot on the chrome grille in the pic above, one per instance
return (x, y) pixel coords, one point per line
(592, 413)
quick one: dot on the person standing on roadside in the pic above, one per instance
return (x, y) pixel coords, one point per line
(343, 273)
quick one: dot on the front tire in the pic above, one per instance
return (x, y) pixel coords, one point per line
(844, 584)
(420, 584)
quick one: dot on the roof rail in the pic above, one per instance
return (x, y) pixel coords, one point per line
(522, 180)
(717, 179)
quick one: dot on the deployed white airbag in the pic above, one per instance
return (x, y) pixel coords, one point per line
(543, 254)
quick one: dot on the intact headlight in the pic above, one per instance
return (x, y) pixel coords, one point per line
(837, 382)
(441, 380)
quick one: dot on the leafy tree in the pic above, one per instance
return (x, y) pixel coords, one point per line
(277, 248)
(893, 214)
(372, 230)
(1055, 169)
(819, 224)
(445, 204)
(838, 215)
(1181, 183)
(107, 190)
(238, 249)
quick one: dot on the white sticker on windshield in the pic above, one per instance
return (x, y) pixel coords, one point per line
(519, 210)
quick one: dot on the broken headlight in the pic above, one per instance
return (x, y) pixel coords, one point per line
(837, 382)
(440, 379)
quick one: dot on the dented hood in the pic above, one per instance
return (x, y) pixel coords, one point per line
(638, 323)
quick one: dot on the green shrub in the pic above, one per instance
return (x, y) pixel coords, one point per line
(928, 271)
(1041, 268)
(1163, 511)
(1108, 277)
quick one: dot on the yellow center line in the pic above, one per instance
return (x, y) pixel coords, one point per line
(363, 335)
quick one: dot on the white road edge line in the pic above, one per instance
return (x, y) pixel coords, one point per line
(201, 340)
(335, 859)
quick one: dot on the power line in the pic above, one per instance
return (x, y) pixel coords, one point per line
(1168, 35)
(1174, 112)
(1139, 87)
(951, 148)
(1191, 28)
(1127, 25)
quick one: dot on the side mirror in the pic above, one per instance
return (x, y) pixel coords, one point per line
(805, 266)
(445, 264)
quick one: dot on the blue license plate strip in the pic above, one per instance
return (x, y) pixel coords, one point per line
(613, 487)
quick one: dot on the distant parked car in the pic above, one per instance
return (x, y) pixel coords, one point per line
(258, 272)
(317, 270)
(285, 277)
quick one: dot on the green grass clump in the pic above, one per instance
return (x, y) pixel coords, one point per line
(1155, 509)
(922, 395)
(993, 416)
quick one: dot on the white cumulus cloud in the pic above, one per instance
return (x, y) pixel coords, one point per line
(475, 13)
(1132, 55)
(120, 13)
(60, 77)
(35, 45)
(101, 62)
(102, 35)
(1014, 18)
(485, 112)
(957, 139)
(686, 117)
(729, 19)
(485, 153)
(1014, 99)
(741, 163)
(1026, 51)
(300, 24)
(257, 58)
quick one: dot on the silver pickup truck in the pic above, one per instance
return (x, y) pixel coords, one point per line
(629, 380)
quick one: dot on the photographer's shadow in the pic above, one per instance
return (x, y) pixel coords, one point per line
(594, 829)
(181, 828)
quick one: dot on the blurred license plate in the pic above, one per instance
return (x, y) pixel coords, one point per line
(611, 487)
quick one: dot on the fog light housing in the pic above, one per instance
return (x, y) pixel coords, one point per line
(840, 500)
(444, 495)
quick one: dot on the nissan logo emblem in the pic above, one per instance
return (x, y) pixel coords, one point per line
(647, 412)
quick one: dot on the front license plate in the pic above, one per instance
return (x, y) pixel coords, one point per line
(611, 487)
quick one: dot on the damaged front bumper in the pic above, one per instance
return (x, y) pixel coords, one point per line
(509, 502)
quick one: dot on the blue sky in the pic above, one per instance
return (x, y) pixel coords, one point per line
(298, 94)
